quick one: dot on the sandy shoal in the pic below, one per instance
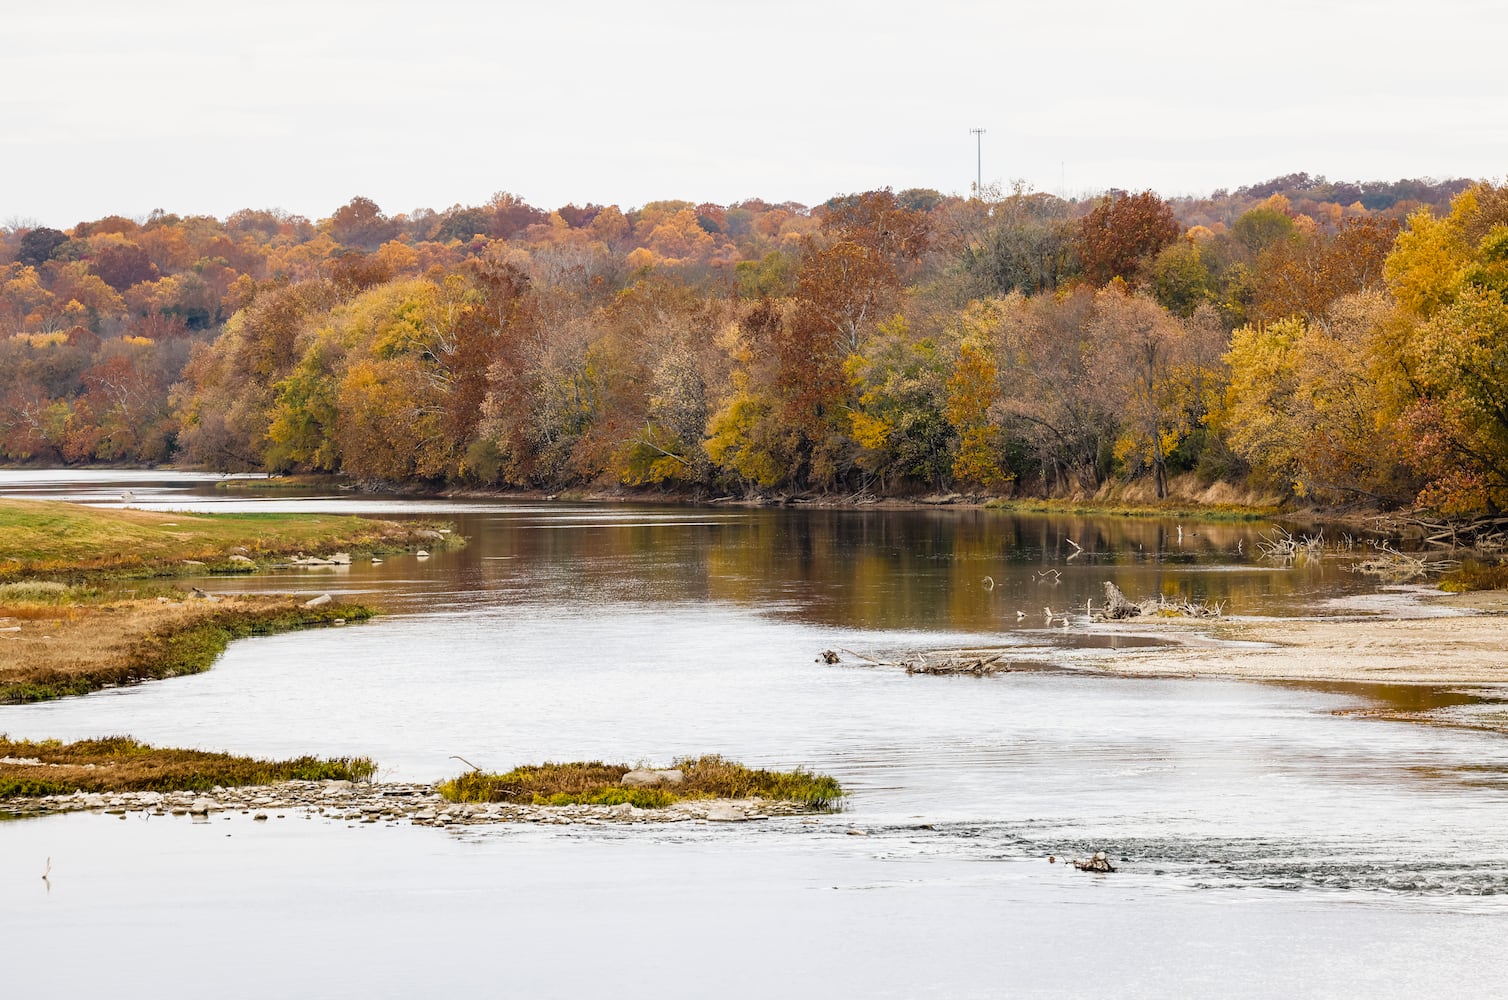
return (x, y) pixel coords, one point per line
(1467, 645)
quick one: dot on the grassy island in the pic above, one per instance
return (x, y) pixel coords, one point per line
(63, 541)
(87, 599)
(596, 783)
(121, 764)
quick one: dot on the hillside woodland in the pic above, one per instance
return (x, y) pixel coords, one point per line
(1339, 343)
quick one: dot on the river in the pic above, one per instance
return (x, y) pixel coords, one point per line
(1272, 845)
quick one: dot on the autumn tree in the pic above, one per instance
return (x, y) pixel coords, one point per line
(849, 281)
(1450, 278)
(1140, 353)
(1052, 399)
(1122, 233)
(973, 391)
(38, 246)
(901, 387)
(1027, 245)
(1314, 407)
(360, 223)
(1301, 277)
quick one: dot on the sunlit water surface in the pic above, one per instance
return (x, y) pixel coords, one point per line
(1270, 846)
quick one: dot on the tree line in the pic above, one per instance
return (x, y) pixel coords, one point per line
(1338, 342)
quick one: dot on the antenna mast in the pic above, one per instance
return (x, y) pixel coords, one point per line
(978, 134)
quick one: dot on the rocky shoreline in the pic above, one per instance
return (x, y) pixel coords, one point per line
(389, 802)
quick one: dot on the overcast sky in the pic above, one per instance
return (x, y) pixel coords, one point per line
(121, 107)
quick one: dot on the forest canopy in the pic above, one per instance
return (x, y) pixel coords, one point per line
(1336, 342)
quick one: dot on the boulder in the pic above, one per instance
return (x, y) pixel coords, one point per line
(318, 602)
(646, 777)
(726, 812)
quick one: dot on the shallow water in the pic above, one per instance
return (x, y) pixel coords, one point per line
(1270, 846)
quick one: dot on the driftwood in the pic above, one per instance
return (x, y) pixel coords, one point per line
(1118, 608)
(1098, 863)
(1280, 546)
(1484, 534)
(973, 663)
(1116, 605)
(974, 666)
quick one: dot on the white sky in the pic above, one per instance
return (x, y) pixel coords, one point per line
(122, 106)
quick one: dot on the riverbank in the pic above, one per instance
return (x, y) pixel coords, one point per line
(50, 539)
(60, 650)
(86, 600)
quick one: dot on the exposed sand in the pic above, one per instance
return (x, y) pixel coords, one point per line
(1419, 639)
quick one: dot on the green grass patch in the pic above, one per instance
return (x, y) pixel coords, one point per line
(1475, 575)
(596, 783)
(121, 764)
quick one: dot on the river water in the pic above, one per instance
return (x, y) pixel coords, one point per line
(1273, 845)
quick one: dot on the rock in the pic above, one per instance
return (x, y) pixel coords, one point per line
(429, 534)
(341, 559)
(243, 560)
(318, 602)
(422, 554)
(200, 807)
(644, 777)
(240, 550)
(725, 812)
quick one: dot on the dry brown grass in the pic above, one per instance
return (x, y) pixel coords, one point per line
(53, 650)
(120, 764)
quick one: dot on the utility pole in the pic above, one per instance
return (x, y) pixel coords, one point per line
(978, 134)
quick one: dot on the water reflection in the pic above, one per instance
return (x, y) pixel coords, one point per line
(971, 571)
